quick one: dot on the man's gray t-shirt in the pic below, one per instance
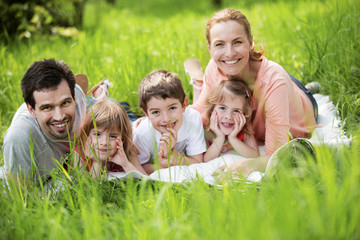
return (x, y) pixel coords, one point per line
(24, 137)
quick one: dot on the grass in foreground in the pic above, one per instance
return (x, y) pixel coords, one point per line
(313, 40)
(321, 205)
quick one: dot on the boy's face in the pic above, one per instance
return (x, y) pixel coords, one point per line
(165, 113)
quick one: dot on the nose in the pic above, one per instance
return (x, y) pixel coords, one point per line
(102, 139)
(58, 114)
(166, 117)
(229, 50)
(228, 115)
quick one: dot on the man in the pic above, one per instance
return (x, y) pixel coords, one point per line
(43, 126)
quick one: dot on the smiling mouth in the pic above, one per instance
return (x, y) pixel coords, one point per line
(231, 62)
(227, 125)
(169, 126)
(60, 126)
(103, 150)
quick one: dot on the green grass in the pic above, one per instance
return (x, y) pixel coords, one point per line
(313, 40)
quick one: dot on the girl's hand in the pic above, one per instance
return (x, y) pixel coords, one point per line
(214, 125)
(240, 121)
(120, 157)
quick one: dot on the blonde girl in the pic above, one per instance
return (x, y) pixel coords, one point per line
(106, 141)
(228, 111)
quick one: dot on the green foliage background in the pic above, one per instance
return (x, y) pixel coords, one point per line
(312, 40)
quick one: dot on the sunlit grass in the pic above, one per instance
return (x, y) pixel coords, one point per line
(313, 40)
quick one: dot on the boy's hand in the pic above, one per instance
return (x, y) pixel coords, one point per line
(240, 121)
(163, 156)
(120, 157)
(214, 125)
(169, 139)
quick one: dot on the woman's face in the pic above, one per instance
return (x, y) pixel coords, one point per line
(230, 47)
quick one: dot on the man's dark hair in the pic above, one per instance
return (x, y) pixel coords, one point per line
(46, 74)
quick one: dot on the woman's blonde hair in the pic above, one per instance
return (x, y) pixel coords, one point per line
(110, 115)
(217, 96)
(228, 14)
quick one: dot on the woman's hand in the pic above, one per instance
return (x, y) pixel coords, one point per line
(244, 167)
(237, 169)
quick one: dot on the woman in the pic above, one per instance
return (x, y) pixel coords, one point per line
(279, 107)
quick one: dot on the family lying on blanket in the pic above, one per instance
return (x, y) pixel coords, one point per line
(242, 99)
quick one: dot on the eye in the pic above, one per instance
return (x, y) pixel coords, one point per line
(237, 111)
(66, 103)
(238, 42)
(222, 108)
(155, 113)
(113, 136)
(218, 44)
(172, 108)
(45, 108)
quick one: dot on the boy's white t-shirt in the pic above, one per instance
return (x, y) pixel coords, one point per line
(190, 137)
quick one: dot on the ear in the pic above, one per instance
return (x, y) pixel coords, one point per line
(252, 45)
(185, 104)
(145, 112)
(209, 48)
(31, 110)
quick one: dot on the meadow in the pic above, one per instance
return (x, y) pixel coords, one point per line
(312, 40)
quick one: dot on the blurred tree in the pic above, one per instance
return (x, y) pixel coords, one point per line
(217, 3)
(25, 18)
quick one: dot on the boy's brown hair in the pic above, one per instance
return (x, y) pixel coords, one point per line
(160, 84)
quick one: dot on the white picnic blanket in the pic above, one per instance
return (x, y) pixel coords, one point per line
(330, 133)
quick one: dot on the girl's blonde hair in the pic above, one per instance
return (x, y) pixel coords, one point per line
(228, 14)
(110, 115)
(217, 96)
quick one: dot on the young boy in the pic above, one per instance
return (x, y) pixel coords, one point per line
(170, 128)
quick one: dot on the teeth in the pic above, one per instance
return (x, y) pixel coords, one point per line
(60, 125)
(168, 125)
(228, 124)
(231, 62)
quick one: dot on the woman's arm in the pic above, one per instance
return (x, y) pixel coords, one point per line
(245, 167)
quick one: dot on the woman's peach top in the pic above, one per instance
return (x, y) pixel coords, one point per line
(280, 106)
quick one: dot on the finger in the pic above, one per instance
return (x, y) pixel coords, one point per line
(219, 171)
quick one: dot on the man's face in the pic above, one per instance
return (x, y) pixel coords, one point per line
(54, 110)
